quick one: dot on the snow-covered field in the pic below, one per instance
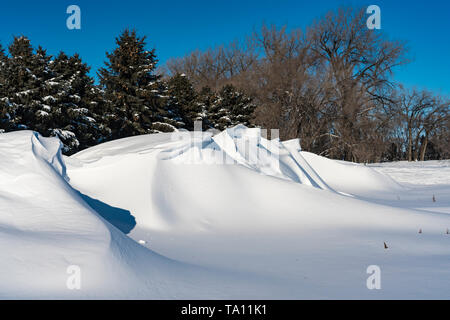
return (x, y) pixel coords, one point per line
(231, 216)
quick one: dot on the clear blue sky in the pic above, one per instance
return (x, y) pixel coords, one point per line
(177, 27)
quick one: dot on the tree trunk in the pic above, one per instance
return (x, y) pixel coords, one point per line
(410, 144)
(416, 148)
(424, 148)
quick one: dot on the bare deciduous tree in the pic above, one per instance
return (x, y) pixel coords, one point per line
(330, 86)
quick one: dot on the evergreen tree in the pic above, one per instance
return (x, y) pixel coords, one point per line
(132, 89)
(75, 104)
(165, 118)
(53, 97)
(5, 121)
(24, 73)
(183, 105)
(231, 108)
(43, 76)
(207, 99)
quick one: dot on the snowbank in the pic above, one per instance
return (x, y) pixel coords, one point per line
(223, 216)
(46, 228)
(225, 202)
(352, 178)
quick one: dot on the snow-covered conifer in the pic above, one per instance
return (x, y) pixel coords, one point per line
(133, 91)
(182, 103)
(231, 108)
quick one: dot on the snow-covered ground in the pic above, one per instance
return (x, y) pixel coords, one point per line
(228, 216)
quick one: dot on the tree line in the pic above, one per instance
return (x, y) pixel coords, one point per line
(329, 85)
(55, 96)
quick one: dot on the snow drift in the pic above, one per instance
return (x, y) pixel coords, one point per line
(248, 148)
(231, 215)
(225, 201)
(46, 227)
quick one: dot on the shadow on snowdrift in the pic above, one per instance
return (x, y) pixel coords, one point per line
(120, 218)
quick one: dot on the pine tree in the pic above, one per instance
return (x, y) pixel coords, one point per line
(5, 121)
(182, 103)
(20, 84)
(132, 89)
(207, 99)
(165, 118)
(42, 75)
(75, 104)
(53, 97)
(24, 73)
(230, 109)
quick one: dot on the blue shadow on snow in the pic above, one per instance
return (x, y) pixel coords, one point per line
(120, 218)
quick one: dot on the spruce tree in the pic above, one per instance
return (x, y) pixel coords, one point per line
(166, 119)
(207, 99)
(231, 108)
(132, 88)
(182, 102)
(24, 73)
(76, 104)
(21, 85)
(5, 121)
(53, 97)
(43, 75)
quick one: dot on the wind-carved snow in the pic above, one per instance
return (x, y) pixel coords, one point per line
(227, 215)
(249, 148)
(46, 227)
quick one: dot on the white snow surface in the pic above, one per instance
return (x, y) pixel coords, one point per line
(225, 216)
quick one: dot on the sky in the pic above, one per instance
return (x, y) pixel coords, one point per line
(175, 28)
